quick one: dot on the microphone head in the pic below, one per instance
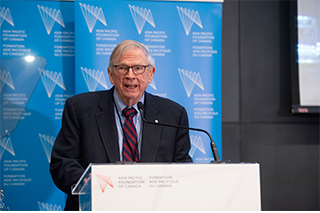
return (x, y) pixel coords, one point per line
(140, 106)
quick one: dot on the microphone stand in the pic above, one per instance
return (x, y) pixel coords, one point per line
(213, 145)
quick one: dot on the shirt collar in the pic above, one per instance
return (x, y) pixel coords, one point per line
(120, 105)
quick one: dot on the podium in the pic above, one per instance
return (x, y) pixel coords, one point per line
(170, 187)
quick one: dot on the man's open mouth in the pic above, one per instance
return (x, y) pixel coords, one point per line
(130, 86)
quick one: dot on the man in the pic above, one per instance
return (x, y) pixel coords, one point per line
(94, 129)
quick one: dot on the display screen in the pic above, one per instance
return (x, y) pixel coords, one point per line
(308, 54)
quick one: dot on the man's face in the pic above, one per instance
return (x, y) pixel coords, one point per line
(130, 87)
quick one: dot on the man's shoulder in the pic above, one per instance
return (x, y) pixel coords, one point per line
(162, 101)
(90, 96)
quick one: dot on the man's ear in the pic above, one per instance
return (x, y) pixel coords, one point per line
(151, 74)
(110, 76)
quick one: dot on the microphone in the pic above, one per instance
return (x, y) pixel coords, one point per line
(213, 145)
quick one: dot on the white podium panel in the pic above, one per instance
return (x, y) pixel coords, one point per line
(170, 187)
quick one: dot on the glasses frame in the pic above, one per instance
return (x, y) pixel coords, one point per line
(144, 70)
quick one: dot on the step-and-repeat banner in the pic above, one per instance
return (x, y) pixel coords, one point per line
(183, 37)
(33, 91)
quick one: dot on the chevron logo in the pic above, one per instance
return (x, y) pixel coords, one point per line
(5, 15)
(91, 15)
(49, 17)
(5, 144)
(104, 181)
(188, 17)
(93, 77)
(140, 16)
(5, 78)
(47, 144)
(196, 143)
(49, 207)
(50, 79)
(189, 79)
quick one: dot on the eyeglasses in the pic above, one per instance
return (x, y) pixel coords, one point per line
(137, 69)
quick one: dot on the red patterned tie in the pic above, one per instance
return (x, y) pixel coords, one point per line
(130, 147)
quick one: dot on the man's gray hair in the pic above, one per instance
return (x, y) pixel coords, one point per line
(125, 45)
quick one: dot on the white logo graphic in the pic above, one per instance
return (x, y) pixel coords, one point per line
(49, 17)
(47, 144)
(189, 79)
(5, 144)
(49, 207)
(140, 16)
(153, 84)
(50, 79)
(5, 15)
(91, 14)
(93, 77)
(188, 17)
(5, 78)
(196, 143)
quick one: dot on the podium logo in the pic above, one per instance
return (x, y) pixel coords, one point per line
(47, 144)
(196, 143)
(104, 181)
(5, 15)
(188, 17)
(5, 144)
(140, 16)
(49, 17)
(93, 78)
(50, 79)
(189, 79)
(5, 78)
(91, 15)
(49, 207)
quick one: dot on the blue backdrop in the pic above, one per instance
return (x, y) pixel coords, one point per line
(72, 43)
(183, 37)
(33, 97)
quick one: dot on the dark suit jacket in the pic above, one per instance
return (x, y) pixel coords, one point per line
(89, 135)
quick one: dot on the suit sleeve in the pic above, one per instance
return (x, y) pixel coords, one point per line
(65, 164)
(182, 144)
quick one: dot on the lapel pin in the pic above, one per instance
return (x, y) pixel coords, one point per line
(156, 121)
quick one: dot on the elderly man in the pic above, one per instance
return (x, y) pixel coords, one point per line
(106, 126)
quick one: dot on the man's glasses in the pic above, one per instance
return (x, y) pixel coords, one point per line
(137, 69)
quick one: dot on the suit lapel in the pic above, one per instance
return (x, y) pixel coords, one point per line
(151, 133)
(107, 127)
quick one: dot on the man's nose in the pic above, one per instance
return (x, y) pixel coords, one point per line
(130, 73)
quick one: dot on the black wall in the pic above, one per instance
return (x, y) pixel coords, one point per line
(257, 124)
